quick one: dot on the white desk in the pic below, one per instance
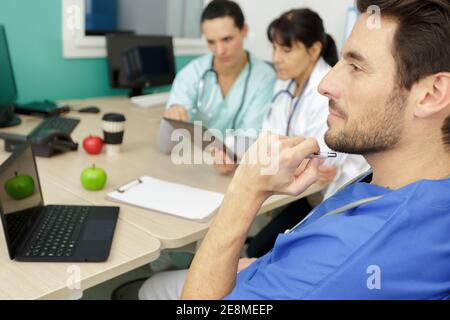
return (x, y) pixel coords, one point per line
(139, 157)
(135, 240)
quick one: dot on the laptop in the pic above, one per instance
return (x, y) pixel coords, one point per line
(36, 232)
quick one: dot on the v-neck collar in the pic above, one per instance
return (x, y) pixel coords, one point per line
(242, 74)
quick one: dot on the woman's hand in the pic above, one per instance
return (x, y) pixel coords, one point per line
(177, 113)
(326, 174)
(222, 163)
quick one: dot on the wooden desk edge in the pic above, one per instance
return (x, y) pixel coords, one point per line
(103, 276)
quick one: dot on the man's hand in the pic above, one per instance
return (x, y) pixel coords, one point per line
(212, 274)
(177, 113)
(222, 163)
(289, 171)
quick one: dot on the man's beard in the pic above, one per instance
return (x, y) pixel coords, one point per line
(379, 130)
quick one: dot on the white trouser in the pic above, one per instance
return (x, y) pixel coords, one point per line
(163, 286)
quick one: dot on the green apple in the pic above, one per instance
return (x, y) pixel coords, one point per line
(93, 178)
(20, 186)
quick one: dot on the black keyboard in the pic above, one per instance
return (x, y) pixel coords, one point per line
(62, 124)
(59, 232)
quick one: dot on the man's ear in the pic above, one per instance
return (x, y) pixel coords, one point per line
(435, 95)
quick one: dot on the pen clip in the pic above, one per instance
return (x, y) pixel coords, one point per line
(323, 155)
(129, 186)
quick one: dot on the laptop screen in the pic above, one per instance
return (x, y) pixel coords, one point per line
(20, 195)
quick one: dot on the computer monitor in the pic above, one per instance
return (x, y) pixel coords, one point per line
(138, 62)
(8, 91)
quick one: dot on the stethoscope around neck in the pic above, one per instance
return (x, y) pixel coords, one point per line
(288, 92)
(201, 92)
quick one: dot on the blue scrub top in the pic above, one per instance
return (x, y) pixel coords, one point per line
(216, 111)
(400, 242)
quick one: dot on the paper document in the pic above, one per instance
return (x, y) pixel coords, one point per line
(172, 198)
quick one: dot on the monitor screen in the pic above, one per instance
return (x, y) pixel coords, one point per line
(20, 195)
(140, 61)
(8, 92)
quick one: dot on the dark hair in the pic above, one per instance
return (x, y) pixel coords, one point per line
(224, 8)
(306, 26)
(421, 44)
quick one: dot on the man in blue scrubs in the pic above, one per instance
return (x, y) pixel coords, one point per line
(229, 88)
(389, 101)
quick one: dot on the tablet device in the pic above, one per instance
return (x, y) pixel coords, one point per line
(207, 136)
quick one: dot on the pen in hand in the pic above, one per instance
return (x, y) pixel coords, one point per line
(322, 155)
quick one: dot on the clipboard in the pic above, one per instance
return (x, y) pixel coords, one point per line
(158, 195)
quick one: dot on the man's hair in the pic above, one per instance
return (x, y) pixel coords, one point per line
(421, 44)
(224, 8)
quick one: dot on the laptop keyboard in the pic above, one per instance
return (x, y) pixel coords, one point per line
(59, 232)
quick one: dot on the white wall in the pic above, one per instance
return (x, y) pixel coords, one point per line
(180, 18)
(333, 13)
(142, 16)
(184, 18)
(259, 13)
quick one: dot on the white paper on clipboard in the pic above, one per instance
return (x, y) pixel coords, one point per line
(172, 198)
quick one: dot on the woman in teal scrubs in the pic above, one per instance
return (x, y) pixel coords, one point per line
(229, 88)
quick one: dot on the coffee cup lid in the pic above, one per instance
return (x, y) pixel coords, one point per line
(114, 117)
